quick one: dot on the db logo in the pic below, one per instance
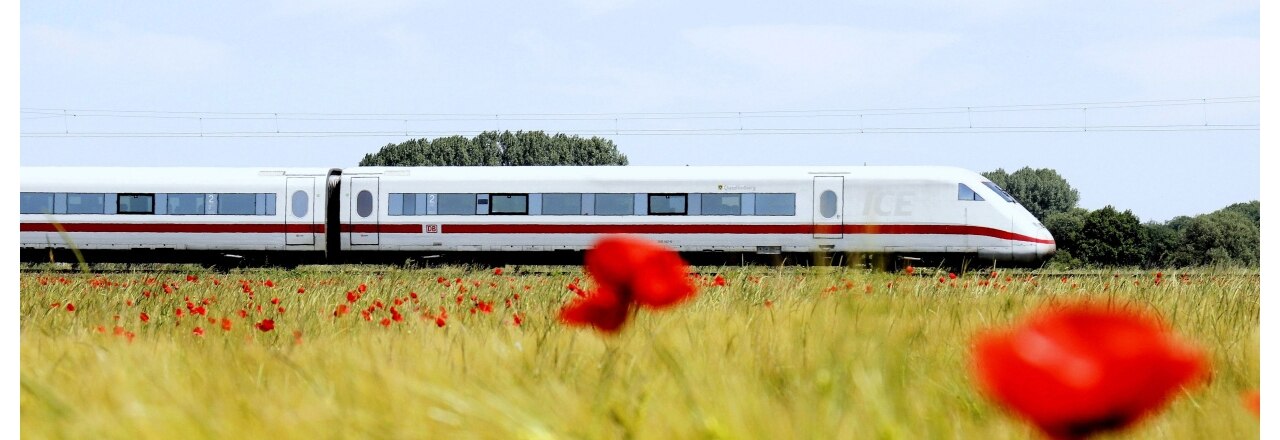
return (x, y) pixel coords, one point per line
(432, 229)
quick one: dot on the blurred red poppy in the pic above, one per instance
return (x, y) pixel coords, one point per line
(1253, 402)
(1082, 369)
(144, 317)
(198, 331)
(628, 271)
(266, 325)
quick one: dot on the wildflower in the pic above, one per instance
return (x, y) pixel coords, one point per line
(352, 297)
(951, 275)
(198, 331)
(910, 270)
(1083, 369)
(266, 325)
(297, 337)
(268, 283)
(301, 290)
(144, 317)
(719, 281)
(341, 310)
(497, 271)
(628, 271)
(440, 321)
(226, 324)
(516, 319)
(1253, 402)
(71, 307)
(362, 288)
(386, 322)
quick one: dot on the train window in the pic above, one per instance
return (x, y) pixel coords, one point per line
(668, 204)
(967, 193)
(776, 204)
(237, 204)
(456, 204)
(186, 204)
(615, 204)
(300, 201)
(86, 203)
(827, 204)
(364, 203)
(562, 204)
(722, 204)
(1000, 192)
(509, 204)
(36, 203)
(135, 203)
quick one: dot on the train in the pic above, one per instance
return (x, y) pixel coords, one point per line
(918, 215)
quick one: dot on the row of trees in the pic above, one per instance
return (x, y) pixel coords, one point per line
(1110, 237)
(491, 148)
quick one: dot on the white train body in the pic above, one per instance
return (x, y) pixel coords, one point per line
(213, 209)
(421, 210)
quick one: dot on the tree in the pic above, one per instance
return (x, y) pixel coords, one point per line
(1160, 243)
(1067, 228)
(1224, 237)
(491, 148)
(1111, 238)
(1042, 191)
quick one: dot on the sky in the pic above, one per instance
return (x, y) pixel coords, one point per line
(1148, 106)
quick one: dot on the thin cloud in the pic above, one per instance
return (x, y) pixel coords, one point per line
(830, 56)
(122, 48)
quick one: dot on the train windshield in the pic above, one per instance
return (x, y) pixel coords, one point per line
(1004, 195)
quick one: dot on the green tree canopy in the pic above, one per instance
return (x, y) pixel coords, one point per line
(1042, 191)
(491, 148)
(1112, 238)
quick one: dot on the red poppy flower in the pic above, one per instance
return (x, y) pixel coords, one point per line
(266, 325)
(341, 310)
(198, 331)
(628, 271)
(301, 290)
(910, 270)
(71, 307)
(226, 324)
(497, 271)
(268, 283)
(386, 322)
(1082, 369)
(1253, 402)
(144, 317)
(440, 321)
(362, 288)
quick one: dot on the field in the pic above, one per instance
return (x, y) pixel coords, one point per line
(471, 353)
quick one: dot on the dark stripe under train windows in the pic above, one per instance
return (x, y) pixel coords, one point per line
(776, 204)
(79, 203)
(721, 204)
(509, 204)
(36, 203)
(668, 204)
(237, 204)
(135, 203)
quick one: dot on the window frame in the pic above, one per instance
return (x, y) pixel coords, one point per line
(204, 203)
(595, 203)
(150, 211)
(525, 211)
(650, 196)
(222, 197)
(758, 205)
(52, 202)
(702, 210)
(578, 196)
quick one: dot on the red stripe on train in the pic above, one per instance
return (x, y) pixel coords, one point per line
(190, 228)
(738, 229)
(414, 228)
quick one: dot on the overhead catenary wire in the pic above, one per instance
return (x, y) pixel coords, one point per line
(843, 117)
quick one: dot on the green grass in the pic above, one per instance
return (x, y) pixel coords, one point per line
(790, 353)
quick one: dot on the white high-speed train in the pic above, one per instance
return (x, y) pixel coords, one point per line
(530, 213)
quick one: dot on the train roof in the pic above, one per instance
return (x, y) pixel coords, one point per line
(143, 178)
(667, 172)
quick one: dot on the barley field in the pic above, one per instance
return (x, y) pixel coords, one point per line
(468, 352)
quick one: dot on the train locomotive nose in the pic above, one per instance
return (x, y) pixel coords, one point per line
(1046, 250)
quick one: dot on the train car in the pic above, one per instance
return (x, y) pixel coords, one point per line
(934, 214)
(174, 214)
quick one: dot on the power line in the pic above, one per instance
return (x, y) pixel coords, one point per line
(825, 119)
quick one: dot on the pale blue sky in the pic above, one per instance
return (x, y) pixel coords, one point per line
(608, 59)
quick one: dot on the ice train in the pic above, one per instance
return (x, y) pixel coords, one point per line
(521, 214)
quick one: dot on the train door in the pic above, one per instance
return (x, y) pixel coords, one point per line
(828, 207)
(363, 211)
(300, 215)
